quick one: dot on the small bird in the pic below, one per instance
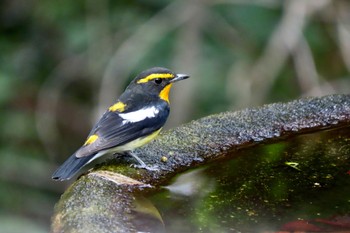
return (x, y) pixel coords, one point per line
(134, 120)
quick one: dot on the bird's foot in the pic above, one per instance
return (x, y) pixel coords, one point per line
(145, 166)
(141, 164)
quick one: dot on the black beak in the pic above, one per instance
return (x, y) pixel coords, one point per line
(179, 77)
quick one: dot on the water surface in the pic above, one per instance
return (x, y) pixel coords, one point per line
(268, 187)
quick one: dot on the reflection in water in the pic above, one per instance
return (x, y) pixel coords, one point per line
(145, 217)
(265, 188)
(192, 183)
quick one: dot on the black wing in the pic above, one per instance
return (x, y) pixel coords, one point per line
(113, 131)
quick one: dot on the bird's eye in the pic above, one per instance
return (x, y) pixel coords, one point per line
(158, 80)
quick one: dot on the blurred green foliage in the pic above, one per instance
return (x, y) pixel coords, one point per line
(62, 62)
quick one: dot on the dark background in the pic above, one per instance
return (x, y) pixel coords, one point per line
(63, 62)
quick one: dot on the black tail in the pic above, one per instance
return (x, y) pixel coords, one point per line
(71, 167)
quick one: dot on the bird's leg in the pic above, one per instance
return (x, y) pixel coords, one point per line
(141, 163)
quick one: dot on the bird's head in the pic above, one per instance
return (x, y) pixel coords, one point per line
(157, 81)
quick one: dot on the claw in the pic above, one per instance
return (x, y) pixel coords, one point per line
(144, 166)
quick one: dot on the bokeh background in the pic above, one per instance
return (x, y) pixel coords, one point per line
(63, 62)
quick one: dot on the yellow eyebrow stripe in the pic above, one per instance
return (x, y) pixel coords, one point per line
(91, 139)
(154, 76)
(119, 106)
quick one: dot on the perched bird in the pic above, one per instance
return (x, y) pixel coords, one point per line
(134, 120)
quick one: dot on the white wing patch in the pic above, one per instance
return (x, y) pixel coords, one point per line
(139, 115)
